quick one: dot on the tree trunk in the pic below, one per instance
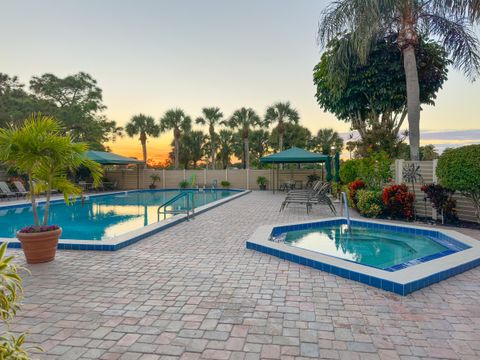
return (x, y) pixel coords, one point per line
(36, 220)
(246, 151)
(143, 141)
(47, 201)
(413, 100)
(177, 151)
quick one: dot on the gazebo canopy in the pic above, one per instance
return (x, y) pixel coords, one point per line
(107, 158)
(295, 155)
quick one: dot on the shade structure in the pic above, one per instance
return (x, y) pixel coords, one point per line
(337, 167)
(294, 155)
(107, 158)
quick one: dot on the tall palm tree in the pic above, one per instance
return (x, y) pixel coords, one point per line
(328, 141)
(143, 125)
(176, 120)
(244, 119)
(445, 20)
(211, 116)
(225, 146)
(281, 113)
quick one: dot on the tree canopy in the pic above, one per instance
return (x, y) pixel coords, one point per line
(372, 96)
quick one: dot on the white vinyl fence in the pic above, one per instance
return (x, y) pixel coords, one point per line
(239, 178)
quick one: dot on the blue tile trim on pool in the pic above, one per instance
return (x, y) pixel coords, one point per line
(451, 244)
(120, 245)
(401, 289)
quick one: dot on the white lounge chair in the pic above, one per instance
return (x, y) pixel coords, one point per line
(5, 190)
(20, 188)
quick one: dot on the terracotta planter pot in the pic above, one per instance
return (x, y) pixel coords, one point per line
(39, 247)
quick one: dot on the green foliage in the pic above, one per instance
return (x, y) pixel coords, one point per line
(11, 293)
(226, 147)
(349, 170)
(369, 203)
(154, 178)
(39, 150)
(375, 170)
(184, 184)
(459, 169)
(262, 180)
(258, 146)
(225, 184)
(371, 96)
(295, 135)
(76, 102)
(327, 142)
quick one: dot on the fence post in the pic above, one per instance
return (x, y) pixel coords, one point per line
(205, 177)
(226, 174)
(163, 178)
(184, 175)
(434, 170)
(248, 179)
(398, 171)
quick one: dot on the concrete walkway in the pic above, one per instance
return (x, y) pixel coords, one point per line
(195, 292)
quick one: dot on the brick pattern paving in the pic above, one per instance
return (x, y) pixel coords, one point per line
(195, 292)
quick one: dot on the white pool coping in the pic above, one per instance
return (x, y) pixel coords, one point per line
(402, 277)
(132, 236)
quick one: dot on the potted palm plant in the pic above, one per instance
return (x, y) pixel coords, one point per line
(40, 150)
(154, 178)
(262, 182)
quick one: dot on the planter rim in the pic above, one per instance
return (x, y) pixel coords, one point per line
(31, 235)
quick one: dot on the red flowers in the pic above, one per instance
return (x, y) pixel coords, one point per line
(37, 229)
(353, 187)
(399, 202)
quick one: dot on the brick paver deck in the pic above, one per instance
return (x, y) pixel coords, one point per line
(195, 292)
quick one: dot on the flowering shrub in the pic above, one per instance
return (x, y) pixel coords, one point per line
(353, 187)
(398, 201)
(441, 199)
(38, 229)
(369, 203)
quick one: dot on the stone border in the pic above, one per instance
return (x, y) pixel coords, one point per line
(402, 281)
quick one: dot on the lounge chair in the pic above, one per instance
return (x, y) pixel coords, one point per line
(318, 197)
(20, 188)
(6, 192)
(313, 189)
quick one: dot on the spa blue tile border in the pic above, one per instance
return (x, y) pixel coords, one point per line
(134, 239)
(452, 245)
(400, 289)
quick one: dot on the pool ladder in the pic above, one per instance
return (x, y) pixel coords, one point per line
(189, 211)
(344, 204)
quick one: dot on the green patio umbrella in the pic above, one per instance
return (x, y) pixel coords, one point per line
(328, 168)
(337, 167)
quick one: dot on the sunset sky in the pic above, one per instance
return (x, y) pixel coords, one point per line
(149, 56)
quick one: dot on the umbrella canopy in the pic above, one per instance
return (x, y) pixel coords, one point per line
(107, 158)
(294, 155)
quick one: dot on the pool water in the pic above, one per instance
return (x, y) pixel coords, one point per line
(105, 216)
(368, 246)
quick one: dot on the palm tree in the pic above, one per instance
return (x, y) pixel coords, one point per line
(211, 116)
(281, 113)
(176, 120)
(39, 150)
(365, 21)
(328, 141)
(244, 119)
(143, 125)
(225, 145)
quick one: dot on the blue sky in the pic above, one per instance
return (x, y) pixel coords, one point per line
(149, 56)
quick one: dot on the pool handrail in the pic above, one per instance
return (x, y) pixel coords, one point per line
(190, 205)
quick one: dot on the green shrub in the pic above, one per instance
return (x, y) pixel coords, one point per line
(225, 184)
(369, 203)
(184, 184)
(459, 169)
(349, 171)
(375, 170)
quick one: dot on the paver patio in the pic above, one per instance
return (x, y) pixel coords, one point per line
(194, 292)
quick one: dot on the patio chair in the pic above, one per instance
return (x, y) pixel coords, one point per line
(5, 190)
(318, 197)
(20, 188)
(313, 189)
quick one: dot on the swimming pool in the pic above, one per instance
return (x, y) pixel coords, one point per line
(396, 258)
(106, 218)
